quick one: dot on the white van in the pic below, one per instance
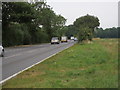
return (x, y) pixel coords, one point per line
(63, 39)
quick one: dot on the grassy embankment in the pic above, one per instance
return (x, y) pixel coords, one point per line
(93, 65)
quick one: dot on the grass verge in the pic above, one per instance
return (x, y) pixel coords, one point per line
(93, 65)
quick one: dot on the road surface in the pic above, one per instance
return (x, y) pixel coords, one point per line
(20, 58)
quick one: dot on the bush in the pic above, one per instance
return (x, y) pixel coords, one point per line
(85, 33)
(13, 36)
(21, 34)
(41, 37)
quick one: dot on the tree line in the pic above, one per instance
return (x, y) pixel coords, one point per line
(29, 23)
(107, 33)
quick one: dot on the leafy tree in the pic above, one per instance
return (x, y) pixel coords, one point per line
(63, 31)
(87, 23)
(84, 33)
(72, 31)
(58, 25)
(15, 13)
(29, 23)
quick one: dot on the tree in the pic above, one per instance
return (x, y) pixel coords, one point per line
(86, 25)
(15, 14)
(29, 23)
(72, 31)
(57, 25)
(84, 33)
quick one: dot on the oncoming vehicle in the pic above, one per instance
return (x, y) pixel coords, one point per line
(1, 51)
(63, 39)
(55, 40)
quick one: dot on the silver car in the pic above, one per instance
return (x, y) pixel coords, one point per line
(55, 40)
(1, 51)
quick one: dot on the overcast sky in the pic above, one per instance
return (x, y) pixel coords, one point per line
(106, 11)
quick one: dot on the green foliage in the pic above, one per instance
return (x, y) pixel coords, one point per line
(72, 31)
(27, 38)
(87, 21)
(41, 37)
(84, 33)
(108, 32)
(86, 25)
(15, 36)
(17, 12)
(58, 27)
(63, 31)
(23, 21)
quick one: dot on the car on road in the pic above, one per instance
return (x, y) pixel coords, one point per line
(72, 38)
(75, 39)
(64, 39)
(55, 40)
(1, 51)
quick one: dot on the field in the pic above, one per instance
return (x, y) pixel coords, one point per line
(88, 65)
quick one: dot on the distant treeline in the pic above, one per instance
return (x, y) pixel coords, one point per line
(29, 23)
(108, 32)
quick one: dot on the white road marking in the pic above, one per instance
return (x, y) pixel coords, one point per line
(32, 66)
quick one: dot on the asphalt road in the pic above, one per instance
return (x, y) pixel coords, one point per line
(19, 58)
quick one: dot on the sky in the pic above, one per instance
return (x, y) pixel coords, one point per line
(106, 11)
